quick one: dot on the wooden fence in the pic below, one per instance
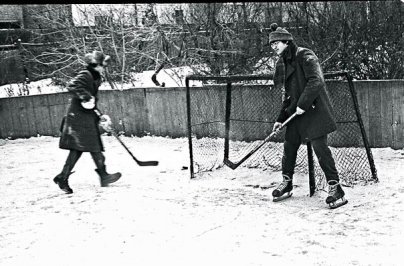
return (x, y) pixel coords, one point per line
(162, 112)
(381, 105)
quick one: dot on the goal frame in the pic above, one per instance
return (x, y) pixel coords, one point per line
(229, 80)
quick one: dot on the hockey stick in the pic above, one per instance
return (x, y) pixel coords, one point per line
(140, 163)
(233, 166)
(154, 77)
(166, 60)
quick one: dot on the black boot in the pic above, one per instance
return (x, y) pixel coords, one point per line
(62, 180)
(106, 178)
(336, 195)
(284, 188)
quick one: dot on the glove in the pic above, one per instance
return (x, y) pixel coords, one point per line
(106, 123)
(90, 104)
(277, 126)
(300, 111)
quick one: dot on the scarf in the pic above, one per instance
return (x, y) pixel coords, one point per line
(288, 55)
(279, 77)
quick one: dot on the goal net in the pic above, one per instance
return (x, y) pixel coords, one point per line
(229, 116)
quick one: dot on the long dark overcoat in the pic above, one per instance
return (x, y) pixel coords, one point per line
(80, 129)
(305, 87)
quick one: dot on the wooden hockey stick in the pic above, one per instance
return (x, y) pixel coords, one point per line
(140, 163)
(233, 166)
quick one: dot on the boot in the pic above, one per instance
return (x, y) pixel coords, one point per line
(106, 178)
(336, 195)
(62, 181)
(284, 188)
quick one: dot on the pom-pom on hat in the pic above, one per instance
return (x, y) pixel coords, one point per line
(279, 34)
(97, 57)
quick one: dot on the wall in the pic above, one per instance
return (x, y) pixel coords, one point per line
(162, 112)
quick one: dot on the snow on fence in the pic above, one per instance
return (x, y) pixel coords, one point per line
(162, 112)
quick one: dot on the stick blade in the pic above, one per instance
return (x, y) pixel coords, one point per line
(147, 163)
(230, 164)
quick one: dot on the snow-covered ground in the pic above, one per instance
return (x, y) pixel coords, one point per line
(158, 216)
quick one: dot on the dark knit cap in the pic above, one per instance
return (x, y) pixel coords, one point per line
(279, 34)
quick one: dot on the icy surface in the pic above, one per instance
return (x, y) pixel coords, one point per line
(158, 216)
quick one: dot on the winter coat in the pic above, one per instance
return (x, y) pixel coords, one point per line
(80, 129)
(304, 87)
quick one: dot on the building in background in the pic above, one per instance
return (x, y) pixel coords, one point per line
(33, 16)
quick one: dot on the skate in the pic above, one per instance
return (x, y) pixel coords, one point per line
(336, 195)
(283, 191)
(105, 178)
(63, 183)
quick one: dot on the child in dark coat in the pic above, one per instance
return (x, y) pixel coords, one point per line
(80, 131)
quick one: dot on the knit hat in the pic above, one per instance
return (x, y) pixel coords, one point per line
(97, 57)
(279, 34)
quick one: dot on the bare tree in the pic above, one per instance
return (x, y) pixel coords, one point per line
(364, 37)
(221, 38)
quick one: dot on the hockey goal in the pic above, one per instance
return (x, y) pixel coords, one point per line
(231, 116)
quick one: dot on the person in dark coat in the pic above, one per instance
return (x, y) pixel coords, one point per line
(298, 74)
(80, 127)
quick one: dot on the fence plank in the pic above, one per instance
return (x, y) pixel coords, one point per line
(57, 109)
(398, 115)
(176, 102)
(157, 115)
(386, 123)
(138, 112)
(180, 114)
(24, 117)
(362, 94)
(2, 120)
(110, 104)
(6, 109)
(133, 112)
(41, 109)
(15, 116)
(126, 116)
(375, 133)
(31, 116)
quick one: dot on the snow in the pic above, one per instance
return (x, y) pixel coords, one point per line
(159, 216)
(172, 77)
(44, 86)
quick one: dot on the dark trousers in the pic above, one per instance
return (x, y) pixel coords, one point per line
(75, 155)
(322, 152)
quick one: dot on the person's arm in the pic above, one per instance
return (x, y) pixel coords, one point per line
(315, 80)
(79, 84)
(283, 115)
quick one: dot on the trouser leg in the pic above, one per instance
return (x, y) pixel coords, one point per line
(325, 158)
(289, 157)
(99, 159)
(71, 161)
